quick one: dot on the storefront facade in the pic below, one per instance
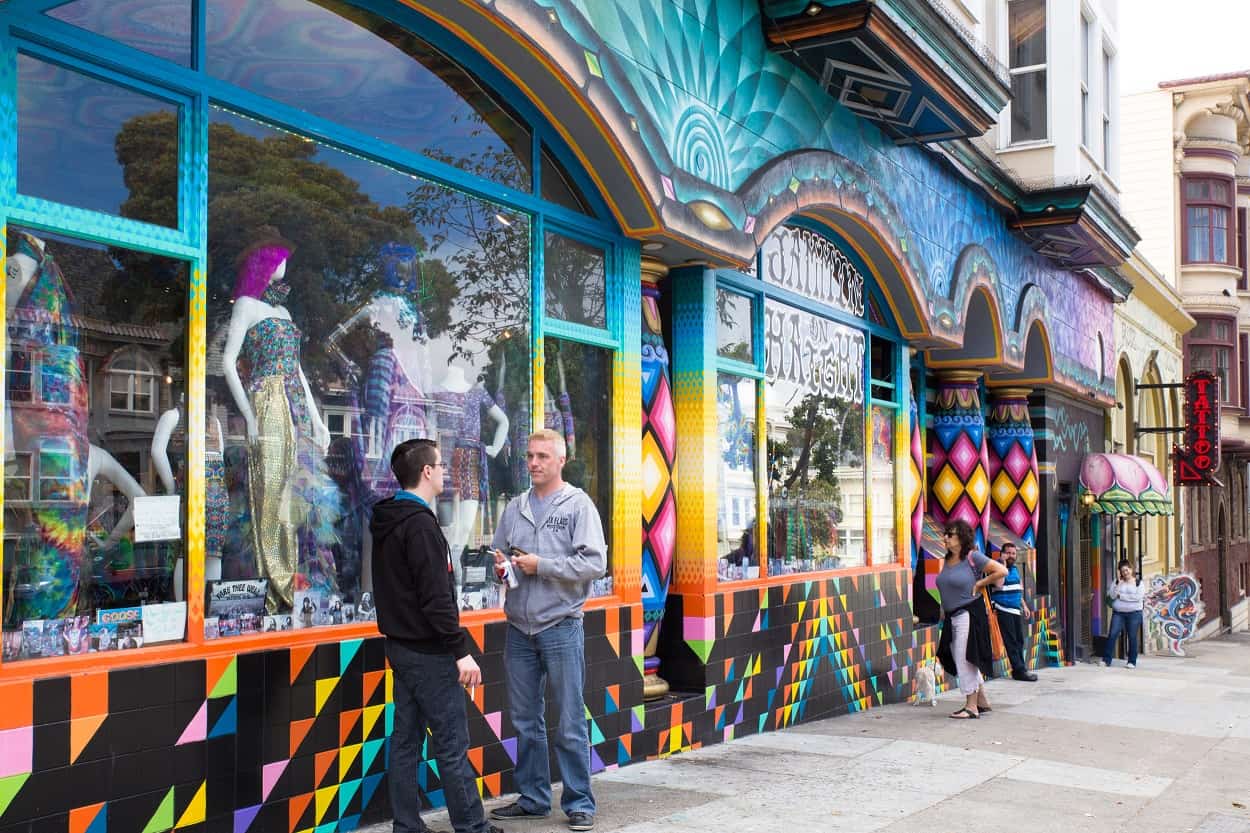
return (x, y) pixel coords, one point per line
(251, 246)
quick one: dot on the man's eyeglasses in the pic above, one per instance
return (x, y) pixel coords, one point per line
(950, 534)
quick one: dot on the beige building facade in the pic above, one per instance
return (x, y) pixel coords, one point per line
(1186, 187)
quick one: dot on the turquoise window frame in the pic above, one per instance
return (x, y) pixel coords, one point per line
(740, 284)
(25, 28)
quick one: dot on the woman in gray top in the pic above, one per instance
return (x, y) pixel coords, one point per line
(964, 648)
(1127, 598)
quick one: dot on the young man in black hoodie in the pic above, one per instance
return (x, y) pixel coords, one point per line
(415, 594)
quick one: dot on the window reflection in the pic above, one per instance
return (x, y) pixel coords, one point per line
(814, 401)
(351, 66)
(558, 185)
(882, 474)
(83, 569)
(737, 541)
(734, 339)
(352, 307)
(76, 136)
(158, 27)
(579, 406)
(575, 281)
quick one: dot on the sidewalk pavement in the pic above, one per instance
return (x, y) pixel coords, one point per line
(1164, 748)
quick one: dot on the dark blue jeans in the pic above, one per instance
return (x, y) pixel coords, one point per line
(428, 695)
(1121, 622)
(558, 654)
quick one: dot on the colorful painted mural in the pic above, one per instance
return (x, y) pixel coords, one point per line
(1173, 610)
(959, 484)
(722, 120)
(659, 494)
(295, 738)
(1014, 489)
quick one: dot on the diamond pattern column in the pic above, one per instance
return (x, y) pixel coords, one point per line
(659, 463)
(1013, 474)
(959, 483)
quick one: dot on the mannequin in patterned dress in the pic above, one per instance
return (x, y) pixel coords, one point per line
(294, 502)
(215, 497)
(37, 304)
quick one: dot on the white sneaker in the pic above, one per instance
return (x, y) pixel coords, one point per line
(1130, 665)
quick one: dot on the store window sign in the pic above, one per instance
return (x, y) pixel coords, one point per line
(1199, 459)
(822, 357)
(808, 264)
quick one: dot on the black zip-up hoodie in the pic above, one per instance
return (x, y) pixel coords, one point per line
(413, 583)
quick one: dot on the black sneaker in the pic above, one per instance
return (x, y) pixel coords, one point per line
(515, 811)
(1024, 677)
(581, 821)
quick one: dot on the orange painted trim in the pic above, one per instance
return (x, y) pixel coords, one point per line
(558, 74)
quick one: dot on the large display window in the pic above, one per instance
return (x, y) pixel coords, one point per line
(238, 278)
(805, 331)
(95, 446)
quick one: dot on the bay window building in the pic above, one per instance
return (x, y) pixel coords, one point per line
(1187, 186)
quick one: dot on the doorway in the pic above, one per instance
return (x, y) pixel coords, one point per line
(1221, 544)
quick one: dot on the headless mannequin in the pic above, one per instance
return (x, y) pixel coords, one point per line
(246, 314)
(279, 513)
(464, 511)
(384, 312)
(165, 427)
(100, 463)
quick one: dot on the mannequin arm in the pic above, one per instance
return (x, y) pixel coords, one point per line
(343, 329)
(501, 429)
(221, 438)
(102, 464)
(160, 448)
(239, 324)
(321, 434)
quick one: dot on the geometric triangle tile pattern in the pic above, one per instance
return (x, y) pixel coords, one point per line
(294, 740)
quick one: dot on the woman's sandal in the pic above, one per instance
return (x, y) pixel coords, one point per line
(964, 714)
(983, 709)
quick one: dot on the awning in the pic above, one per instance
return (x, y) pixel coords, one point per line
(1124, 485)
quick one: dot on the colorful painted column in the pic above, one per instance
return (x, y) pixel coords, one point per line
(959, 483)
(659, 464)
(1013, 464)
(915, 481)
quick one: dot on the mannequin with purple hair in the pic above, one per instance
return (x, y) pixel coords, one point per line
(294, 503)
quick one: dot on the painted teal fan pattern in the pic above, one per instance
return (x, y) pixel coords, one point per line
(715, 103)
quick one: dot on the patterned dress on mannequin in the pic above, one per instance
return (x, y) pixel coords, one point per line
(294, 503)
(49, 423)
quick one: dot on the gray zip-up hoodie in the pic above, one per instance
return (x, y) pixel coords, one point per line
(572, 552)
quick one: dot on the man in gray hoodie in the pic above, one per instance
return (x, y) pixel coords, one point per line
(553, 538)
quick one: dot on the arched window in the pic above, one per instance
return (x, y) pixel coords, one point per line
(827, 478)
(132, 382)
